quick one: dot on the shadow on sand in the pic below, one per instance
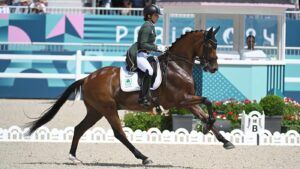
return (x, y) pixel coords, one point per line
(121, 165)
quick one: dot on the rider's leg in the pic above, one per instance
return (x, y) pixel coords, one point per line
(144, 65)
(145, 95)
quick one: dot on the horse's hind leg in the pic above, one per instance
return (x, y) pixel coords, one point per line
(89, 120)
(115, 123)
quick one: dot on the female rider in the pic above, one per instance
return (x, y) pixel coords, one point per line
(138, 53)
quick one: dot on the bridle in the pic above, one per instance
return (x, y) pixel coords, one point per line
(204, 58)
(169, 56)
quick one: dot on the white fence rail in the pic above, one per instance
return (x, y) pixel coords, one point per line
(152, 136)
(253, 133)
(78, 58)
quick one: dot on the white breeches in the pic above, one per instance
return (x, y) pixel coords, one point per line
(143, 64)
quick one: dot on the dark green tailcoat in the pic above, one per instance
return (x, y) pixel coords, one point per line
(145, 42)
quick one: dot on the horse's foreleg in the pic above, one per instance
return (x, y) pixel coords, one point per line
(226, 144)
(194, 100)
(115, 123)
(198, 112)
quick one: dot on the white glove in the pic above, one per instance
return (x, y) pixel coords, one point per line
(161, 48)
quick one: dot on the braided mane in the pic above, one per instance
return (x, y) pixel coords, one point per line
(183, 36)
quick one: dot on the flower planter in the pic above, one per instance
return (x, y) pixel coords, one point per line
(223, 125)
(182, 121)
(273, 123)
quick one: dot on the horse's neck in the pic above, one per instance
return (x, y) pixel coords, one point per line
(182, 60)
(182, 66)
(180, 69)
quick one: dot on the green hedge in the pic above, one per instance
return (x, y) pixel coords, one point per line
(145, 121)
(272, 105)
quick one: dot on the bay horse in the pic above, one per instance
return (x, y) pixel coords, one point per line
(103, 96)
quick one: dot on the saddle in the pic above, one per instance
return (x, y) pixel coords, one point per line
(131, 81)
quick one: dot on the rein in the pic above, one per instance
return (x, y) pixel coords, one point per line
(165, 58)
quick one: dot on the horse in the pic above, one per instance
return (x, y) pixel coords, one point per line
(103, 97)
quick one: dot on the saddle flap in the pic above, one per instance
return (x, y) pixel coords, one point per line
(130, 81)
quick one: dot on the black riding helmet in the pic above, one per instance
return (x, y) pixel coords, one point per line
(152, 9)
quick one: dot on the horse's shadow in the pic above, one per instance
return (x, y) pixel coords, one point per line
(121, 165)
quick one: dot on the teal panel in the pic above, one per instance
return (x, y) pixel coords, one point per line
(25, 17)
(3, 23)
(51, 22)
(258, 82)
(72, 39)
(217, 87)
(120, 29)
(239, 76)
(4, 33)
(292, 70)
(292, 86)
(250, 81)
(292, 56)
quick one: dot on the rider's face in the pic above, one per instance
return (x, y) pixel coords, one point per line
(155, 18)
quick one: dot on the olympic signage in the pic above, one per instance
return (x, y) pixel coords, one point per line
(124, 29)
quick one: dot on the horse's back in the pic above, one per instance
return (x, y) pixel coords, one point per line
(103, 81)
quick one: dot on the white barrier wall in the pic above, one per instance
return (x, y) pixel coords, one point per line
(155, 136)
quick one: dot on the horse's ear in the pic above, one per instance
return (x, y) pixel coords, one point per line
(216, 30)
(210, 31)
(209, 34)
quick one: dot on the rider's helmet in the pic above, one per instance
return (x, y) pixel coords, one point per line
(152, 9)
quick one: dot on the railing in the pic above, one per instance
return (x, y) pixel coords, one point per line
(113, 11)
(62, 47)
(78, 59)
(81, 10)
(253, 132)
(111, 48)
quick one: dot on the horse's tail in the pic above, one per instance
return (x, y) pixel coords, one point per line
(51, 112)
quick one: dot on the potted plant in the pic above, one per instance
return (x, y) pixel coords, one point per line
(181, 118)
(226, 114)
(273, 107)
(291, 116)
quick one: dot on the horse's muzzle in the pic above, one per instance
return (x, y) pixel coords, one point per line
(213, 70)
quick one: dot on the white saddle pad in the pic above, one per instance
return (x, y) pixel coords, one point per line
(129, 80)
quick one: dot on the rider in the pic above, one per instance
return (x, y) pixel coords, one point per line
(138, 53)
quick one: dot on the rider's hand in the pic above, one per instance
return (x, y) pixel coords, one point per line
(161, 48)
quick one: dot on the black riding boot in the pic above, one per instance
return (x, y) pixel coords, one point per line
(145, 95)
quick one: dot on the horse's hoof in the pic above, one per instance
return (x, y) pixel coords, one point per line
(74, 159)
(147, 161)
(228, 145)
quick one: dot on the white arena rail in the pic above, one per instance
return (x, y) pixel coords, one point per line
(245, 136)
(78, 58)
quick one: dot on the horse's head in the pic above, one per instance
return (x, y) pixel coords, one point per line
(207, 52)
(196, 45)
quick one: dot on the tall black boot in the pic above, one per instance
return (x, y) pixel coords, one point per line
(145, 94)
